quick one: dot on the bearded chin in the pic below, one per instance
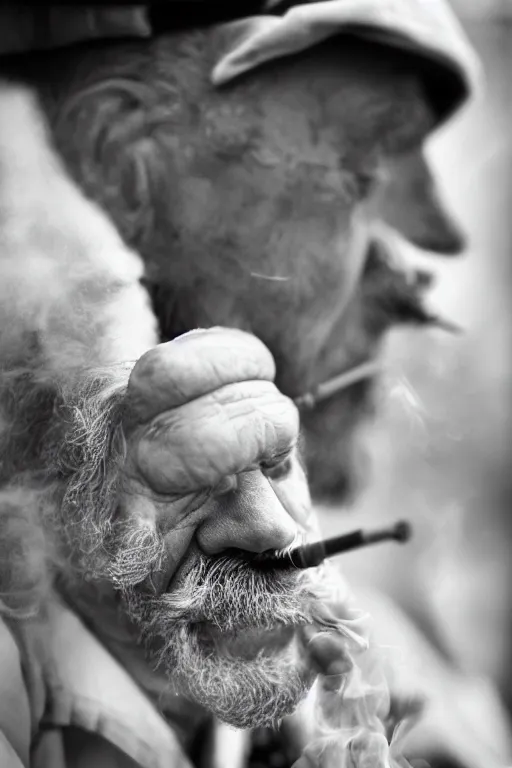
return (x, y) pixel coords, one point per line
(244, 693)
(227, 639)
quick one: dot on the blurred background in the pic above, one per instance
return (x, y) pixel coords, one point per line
(444, 435)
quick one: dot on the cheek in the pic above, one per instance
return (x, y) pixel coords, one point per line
(318, 237)
(285, 251)
(325, 267)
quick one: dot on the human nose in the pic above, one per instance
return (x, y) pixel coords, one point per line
(249, 518)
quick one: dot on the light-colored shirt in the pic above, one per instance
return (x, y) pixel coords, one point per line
(56, 678)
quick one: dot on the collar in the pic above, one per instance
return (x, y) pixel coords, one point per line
(87, 687)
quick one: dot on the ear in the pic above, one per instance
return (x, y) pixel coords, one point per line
(110, 120)
(408, 200)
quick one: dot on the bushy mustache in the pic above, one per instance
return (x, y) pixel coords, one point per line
(194, 634)
(228, 592)
(223, 596)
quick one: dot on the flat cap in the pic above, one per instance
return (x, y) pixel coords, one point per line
(426, 28)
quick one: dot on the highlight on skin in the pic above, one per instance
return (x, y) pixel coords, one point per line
(76, 502)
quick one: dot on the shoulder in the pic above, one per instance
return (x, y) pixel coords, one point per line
(14, 703)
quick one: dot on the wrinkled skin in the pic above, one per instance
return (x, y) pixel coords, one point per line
(114, 476)
(204, 408)
(273, 179)
(204, 411)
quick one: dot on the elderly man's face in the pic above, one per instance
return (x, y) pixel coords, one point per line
(277, 180)
(248, 206)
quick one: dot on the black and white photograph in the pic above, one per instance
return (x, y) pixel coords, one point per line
(256, 384)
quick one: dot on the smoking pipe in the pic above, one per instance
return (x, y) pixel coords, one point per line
(311, 555)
